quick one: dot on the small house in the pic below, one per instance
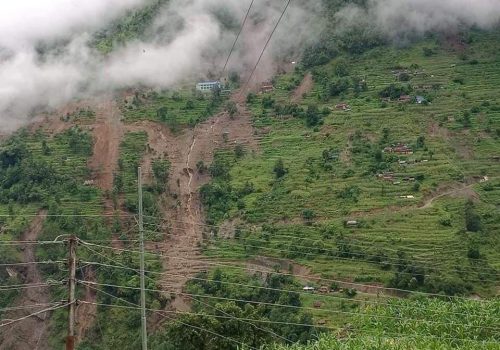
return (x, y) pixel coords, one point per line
(351, 223)
(420, 99)
(398, 149)
(324, 290)
(343, 106)
(386, 176)
(404, 98)
(266, 87)
(308, 289)
(206, 86)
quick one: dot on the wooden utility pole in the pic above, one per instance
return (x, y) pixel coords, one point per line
(143, 292)
(70, 340)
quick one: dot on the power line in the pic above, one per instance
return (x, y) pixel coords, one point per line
(237, 36)
(348, 242)
(32, 285)
(354, 284)
(277, 305)
(125, 267)
(14, 243)
(33, 314)
(338, 258)
(295, 252)
(323, 296)
(134, 306)
(70, 215)
(23, 307)
(275, 322)
(34, 263)
(265, 46)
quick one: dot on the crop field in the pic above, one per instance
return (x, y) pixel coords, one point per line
(339, 169)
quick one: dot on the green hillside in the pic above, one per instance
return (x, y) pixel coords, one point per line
(367, 216)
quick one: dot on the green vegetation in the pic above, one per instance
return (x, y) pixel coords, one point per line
(213, 313)
(344, 169)
(176, 109)
(129, 27)
(436, 325)
(354, 187)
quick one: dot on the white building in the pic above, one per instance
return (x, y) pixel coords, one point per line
(208, 85)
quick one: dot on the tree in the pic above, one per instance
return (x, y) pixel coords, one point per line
(394, 91)
(231, 108)
(161, 170)
(279, 169)
(341, 68)
(117, 183)
(308, 215)
(337, 87)
(472, 220)
(201, 167)
(313, 116)
(239, 151)
(161, 113)
(421, 141)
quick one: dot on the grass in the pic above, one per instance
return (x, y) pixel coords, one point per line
(450, 155)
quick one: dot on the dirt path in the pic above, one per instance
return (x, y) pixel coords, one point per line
(305, 87)
(32, 333)
(462, 190)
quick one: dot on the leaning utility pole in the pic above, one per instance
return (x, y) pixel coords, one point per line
(143, 292)
(70, 340)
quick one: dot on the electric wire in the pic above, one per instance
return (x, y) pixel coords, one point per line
(265, 330)
(281, 305)
(289, 251)
(163, 312)
(23, 307)
(265, 46)
(324, 248)
(33, 314)
(279, 322)
(48, 262)
(261, 287)
(320, 279)
(237, 36)
(31, 285)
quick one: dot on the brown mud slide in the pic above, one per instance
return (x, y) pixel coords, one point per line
(32, 333)
(305, 87)
(108, 132)
(184, 215)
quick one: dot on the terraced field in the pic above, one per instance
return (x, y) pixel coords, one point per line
(335, 170)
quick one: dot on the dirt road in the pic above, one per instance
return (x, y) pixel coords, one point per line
(32, 333)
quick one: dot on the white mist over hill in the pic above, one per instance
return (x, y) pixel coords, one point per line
(46, 56)
(188, 39)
